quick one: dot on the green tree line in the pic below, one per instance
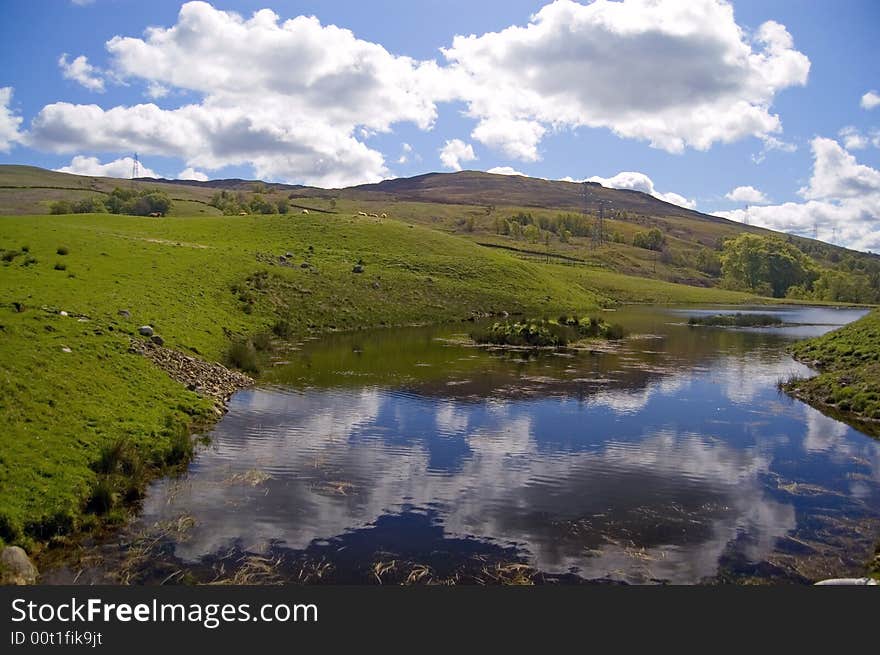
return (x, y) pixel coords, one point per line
(119, 201)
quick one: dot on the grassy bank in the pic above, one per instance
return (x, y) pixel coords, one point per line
(78, 411)
(848, 385)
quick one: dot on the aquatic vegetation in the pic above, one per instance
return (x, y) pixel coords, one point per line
(736, 320)
(542, 333)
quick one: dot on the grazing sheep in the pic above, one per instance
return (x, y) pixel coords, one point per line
(305, 211)
(383, 215)
(374, 215)
(362, 213)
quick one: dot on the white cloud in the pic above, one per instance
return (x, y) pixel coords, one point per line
(748, 194)
(406, 149)
(515, 138)
(853, 139)
(870, 100)
(296, 99)
(192, 174)
(81, 71)
(9, 122)
(293, 99)
(454, 152)
(122, 167)
(771, 143)
(505, 170)
(673, 73)
(842, 202)
(155, 90)
(837, 174)
(640, 182)
(82, 3)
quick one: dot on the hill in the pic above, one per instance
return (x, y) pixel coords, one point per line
(535, 219)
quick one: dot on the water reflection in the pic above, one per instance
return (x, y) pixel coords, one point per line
(668, 458)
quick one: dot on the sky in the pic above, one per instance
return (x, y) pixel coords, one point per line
(766, 111)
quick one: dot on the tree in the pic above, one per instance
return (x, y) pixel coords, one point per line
(653, 239)
(765, 264)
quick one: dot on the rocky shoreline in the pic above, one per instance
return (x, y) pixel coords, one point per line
(205, 378)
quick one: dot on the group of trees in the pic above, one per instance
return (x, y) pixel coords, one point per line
(234, 203)
(545, 228)
(653, 239)
(120, 201)
(775, 267)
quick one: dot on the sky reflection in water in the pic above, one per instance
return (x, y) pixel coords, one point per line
(670, 459)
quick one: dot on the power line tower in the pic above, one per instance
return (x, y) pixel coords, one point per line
(746, 215)
(135, 167)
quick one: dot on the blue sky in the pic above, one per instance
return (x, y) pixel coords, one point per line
(690, 100)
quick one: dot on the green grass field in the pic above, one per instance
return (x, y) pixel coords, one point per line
(202, 283)
(849, 382)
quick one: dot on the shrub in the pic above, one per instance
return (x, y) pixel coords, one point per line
(181, 447)
(60, 267)
(282, 328)
(101, 498)
(242, 355)
(63, 250)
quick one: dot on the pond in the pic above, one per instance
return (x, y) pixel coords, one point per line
(409, 455)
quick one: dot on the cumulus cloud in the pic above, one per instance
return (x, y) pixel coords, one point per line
(122, 167)
(505, 170)
(82, 72)
(853, 139)
(156, 91)
(9, 122)
(293, 99)
(748, 194)
(870, 100)
(405, 150)
(192, 174)
(842, 202)
(454, 152)
(297, 100)
(673, 73)
(636, 181)
(516, 138)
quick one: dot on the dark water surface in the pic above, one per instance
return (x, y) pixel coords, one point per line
(410, 455)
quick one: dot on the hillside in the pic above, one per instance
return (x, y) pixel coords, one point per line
(491, 210)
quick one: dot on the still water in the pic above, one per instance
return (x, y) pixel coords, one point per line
(411, 455)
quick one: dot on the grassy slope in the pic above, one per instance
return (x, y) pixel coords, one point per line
(58, 409)
(849, 382)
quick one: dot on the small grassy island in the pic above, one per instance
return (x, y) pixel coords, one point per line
(849, 381)
(736, 320)
(543, 333)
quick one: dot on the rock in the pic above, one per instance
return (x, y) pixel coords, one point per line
(145, 330)
(357, 269)
(305, 265)
(18, 307)
(65, 349)
(289, 255)
(159, 341)
(124, 313)
(376, 285)
(63, 313)
(16, 568)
